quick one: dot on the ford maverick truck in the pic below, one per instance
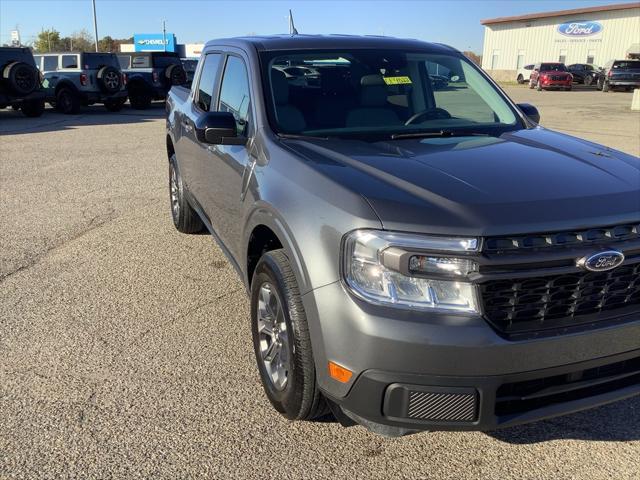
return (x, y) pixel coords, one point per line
(416, 257)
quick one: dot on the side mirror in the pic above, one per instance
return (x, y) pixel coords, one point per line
(530, 111)
(218, 128)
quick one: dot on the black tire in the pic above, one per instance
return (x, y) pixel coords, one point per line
(32, 108)
(175, 75)
(21, 77)
(114, 104)
(185, 218)
(520, 79)
(67, 101)
(139, 97)
(109, 79)
(300, 397)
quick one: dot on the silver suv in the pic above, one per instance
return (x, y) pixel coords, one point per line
(73, 79)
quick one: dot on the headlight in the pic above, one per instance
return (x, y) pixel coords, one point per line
(416, 271)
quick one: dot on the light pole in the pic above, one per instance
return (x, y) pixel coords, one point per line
(164, 35)
(95, 23)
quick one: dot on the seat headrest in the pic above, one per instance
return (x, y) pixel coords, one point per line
(373, 92)
(371, 80)
(280, 87)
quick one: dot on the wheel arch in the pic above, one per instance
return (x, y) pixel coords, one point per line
(265, 231)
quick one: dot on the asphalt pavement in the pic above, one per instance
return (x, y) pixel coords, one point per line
(125, 349)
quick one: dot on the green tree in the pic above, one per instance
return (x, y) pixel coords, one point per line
(48, 41)
(82, 41)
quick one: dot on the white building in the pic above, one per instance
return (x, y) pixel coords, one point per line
(185, 50)
(592, 35)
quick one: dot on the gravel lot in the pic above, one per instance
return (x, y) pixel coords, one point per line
(125, 346)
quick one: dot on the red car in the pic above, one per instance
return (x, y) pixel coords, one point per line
(550, 75)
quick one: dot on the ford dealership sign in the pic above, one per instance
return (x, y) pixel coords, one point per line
(580, 28)
(154, 42)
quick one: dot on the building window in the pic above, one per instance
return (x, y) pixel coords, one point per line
(591, 57)
(494, 59)
(562, 58)
(520, 61)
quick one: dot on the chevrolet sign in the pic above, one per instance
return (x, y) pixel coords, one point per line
(154, 42)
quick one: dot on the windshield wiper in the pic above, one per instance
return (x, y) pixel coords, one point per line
(299, 136)
(440, 133)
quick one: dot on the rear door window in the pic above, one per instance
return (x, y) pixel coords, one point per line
(206, 85)
(69, 61)
(50, 63)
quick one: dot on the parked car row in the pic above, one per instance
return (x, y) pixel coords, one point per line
(623, 74)
(70, 80)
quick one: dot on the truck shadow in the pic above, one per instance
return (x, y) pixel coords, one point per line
(14, 123)
(617, 422)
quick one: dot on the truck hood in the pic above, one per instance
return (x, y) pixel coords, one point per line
(526, 181)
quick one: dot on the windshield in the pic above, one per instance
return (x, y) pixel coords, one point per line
(381, 92)
(553, 67)
(627, 65)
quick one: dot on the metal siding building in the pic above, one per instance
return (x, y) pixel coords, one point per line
(512, 42)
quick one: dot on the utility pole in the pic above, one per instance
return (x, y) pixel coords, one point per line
(95, 23)
(164, 35)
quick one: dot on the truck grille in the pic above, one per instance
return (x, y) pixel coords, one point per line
(558, 301)
(590, 236)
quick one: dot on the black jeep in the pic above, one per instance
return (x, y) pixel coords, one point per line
(20, 85)
(151, 75)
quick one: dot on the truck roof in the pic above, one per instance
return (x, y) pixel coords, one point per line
(333, 41)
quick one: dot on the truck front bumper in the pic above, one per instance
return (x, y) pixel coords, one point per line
(422, 371)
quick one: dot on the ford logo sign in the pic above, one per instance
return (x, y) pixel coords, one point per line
(602, 261)
(579, 28)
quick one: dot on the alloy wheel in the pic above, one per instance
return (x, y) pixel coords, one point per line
(175, 199)
(273, 337)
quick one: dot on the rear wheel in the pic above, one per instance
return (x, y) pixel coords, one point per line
(33, 108)
(67, 101)
(520, 79)
(281, 340)
(185, 218)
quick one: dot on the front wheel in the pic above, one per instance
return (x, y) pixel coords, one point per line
(281, 340)
(33, 109)
(67, 101)
(114, 104)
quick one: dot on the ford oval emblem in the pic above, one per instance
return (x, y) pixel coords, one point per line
(602, 261)
(580, 28)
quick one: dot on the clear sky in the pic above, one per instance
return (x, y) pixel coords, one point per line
(454, 22)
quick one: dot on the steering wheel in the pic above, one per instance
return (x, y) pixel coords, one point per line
(434, 113)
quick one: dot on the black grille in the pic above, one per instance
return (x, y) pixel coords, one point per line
(609, 235)
(436, 406)
(558, 301)
(513, 398)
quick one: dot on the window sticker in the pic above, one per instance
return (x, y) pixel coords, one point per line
(397, 80)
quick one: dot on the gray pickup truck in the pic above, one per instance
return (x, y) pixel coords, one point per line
(416, 258)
